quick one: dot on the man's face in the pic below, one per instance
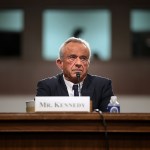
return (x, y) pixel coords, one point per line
(75, 59)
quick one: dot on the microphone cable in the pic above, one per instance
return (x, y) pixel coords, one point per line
(78, 77)
(105, 128)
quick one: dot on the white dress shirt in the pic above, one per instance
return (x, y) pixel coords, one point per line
(69, 86)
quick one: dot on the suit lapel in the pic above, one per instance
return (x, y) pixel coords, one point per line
(86, 91)
(63, 90)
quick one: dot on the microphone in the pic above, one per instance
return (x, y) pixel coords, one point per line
(78, 78)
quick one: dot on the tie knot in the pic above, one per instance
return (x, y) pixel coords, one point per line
(75, 87)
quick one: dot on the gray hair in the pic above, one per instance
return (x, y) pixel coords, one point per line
(73, 39)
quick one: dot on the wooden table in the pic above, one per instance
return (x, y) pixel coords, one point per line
(74, 131)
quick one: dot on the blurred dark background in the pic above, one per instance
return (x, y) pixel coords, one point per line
(21, 63)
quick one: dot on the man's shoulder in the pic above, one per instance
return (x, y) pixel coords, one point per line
(98, 78)
(52, 79)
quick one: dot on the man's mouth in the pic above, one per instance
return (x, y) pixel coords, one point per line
(80, 72)
(77, 70)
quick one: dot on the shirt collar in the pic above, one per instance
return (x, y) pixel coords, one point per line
(69, 84)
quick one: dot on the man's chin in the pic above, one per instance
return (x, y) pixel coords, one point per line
(74, 78)
(75, 74)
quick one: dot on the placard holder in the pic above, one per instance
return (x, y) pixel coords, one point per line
(30, 107)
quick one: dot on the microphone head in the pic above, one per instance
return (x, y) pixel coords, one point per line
(78, 74)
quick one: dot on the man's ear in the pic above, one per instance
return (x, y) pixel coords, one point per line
(59, 63)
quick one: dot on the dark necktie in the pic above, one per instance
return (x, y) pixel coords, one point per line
(75, 88)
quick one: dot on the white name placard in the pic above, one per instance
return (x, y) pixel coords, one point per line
(62, 104)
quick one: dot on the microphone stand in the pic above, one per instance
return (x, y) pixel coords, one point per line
(78, 77)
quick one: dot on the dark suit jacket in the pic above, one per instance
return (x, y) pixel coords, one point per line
(98, 88)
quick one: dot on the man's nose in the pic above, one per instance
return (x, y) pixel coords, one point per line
(78, 61)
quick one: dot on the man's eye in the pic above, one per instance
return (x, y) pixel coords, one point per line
(72, 57)
(83, 58)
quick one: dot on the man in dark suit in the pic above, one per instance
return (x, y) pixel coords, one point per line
(74, 60)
